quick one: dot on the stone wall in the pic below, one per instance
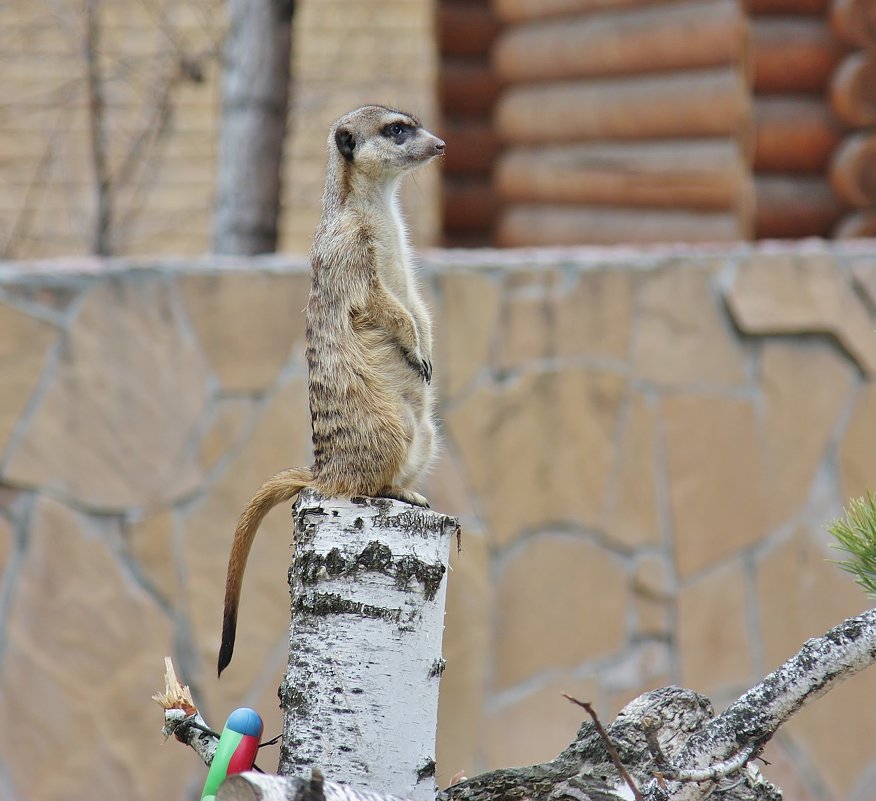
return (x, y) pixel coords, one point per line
(643, 448)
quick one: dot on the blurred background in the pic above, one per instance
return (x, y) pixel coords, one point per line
(567, 122)
(643, 442)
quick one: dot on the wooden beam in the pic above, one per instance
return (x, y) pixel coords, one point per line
(854, 21)
(816, 8)
(794, 134)
(853, 90)
(694, 174)
(794, 206)
(853, 170)
(521, 10)
(624, 41)
(466, 29)
(713, 102)
(857, 224)
(545, 225)
(793, 54)
(467, 87)
(469, 205)
(472, 145)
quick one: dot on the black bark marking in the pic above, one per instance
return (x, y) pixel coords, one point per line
(330, 603)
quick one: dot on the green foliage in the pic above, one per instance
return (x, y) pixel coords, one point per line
(855, 533)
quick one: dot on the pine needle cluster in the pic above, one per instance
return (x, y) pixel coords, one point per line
(855, 533)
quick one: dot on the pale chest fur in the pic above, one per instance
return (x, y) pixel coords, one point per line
(392, 251)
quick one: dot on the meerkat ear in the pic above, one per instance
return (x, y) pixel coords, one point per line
(346, 143)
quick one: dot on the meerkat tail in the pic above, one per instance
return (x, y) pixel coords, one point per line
(284, 486)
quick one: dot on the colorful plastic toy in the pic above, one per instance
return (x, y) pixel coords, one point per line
(237, 749)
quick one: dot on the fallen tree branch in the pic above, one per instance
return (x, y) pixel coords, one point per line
(821, 664)
(585, 769)
(670, 743)
(715, 772)
(720, 770)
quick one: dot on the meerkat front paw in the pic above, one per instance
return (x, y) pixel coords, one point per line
(404, 495)
(419, 365)
(418, 500)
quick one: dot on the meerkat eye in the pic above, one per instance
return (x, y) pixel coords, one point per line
(396, 129)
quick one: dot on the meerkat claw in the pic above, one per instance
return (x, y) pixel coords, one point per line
(421, 366)
(418, 500)
(405, 496)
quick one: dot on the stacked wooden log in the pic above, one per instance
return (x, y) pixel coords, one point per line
(468, 88)
(795, 56)
(853, 98)
(623, 121)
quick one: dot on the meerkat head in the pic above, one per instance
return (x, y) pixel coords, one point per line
(382, 143)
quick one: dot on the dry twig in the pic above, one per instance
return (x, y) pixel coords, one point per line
(609, 746)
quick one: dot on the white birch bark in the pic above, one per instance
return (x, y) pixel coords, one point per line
(360, 696)
(264, 787)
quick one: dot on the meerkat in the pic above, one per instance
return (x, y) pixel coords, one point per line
(368, 337)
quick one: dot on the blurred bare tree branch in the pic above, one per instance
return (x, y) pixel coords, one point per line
(97, 122)
(102, 223)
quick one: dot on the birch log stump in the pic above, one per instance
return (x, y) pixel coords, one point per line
(368, 582)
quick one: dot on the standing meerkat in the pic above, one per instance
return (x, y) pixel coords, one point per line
(369, 337)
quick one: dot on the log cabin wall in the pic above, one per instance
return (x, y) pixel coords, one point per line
(467, 91)
(635, 121)
(623, 121)
(853, 100)
(795, 56)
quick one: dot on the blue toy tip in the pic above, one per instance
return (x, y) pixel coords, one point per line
(245, 721)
